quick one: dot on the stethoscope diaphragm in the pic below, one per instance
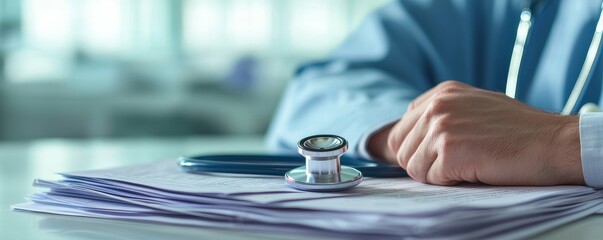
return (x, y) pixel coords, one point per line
(323, 171)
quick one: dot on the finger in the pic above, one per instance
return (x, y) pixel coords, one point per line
(432, 91)
(403, 127)
(411, 142)
(438, 174)
(421, 162)
(415, 110)
(423, 97)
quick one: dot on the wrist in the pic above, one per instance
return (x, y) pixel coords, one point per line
(567, 158)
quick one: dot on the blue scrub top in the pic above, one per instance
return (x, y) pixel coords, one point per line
(409, 46)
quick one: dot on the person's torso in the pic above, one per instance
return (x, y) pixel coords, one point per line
(479, 47)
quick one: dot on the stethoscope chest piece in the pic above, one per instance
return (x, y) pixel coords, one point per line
(323, 171)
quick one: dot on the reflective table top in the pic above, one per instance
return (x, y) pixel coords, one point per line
(22, 162)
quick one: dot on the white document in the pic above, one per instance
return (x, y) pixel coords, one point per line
(402, 195)
(167, 175)
(394, 207)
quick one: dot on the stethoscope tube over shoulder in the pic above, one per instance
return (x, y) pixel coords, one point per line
(586, 72)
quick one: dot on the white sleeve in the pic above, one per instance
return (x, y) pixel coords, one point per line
(591, 144)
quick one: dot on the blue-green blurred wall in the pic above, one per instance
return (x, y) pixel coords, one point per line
(130, 68)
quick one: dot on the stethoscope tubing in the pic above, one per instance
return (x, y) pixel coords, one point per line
(278, 165)
(586, 72)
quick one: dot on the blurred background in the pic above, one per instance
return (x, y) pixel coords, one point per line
(146, 68)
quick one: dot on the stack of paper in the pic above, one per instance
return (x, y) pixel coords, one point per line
(162, 193)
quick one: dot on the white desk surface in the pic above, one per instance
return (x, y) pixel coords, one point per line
(21, 162)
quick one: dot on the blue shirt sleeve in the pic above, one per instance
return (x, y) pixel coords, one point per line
(397, 53)
(366, 82)
(591, 146)
(369, 80)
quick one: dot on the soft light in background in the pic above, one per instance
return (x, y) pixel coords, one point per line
(156, 68)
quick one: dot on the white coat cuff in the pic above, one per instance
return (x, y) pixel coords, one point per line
(591, 144)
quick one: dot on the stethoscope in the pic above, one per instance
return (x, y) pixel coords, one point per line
(319, 170)
(322, 169)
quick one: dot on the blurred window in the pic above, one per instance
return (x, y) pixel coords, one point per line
(107, 68)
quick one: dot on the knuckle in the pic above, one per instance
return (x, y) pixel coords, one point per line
(412, 105)
(446, 143)
(451, 83)
(415, 173)
(447, 148)
(435, 177)
(439, 175)
(437, 106)
(403, 159)
(441, 125)
(450, 87)
(448, 90)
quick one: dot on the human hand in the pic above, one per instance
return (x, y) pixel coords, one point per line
(457, 133)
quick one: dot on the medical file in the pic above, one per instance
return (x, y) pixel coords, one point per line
(161, 193)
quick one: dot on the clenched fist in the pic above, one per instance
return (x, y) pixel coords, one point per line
(457, 133)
